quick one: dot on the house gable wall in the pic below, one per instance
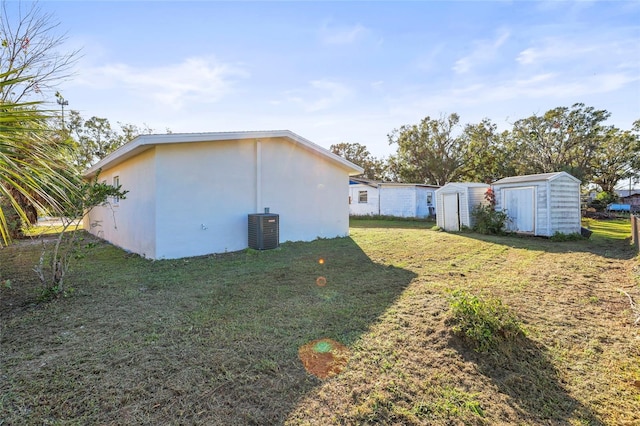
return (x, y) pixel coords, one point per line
(131, 222)
(309, 192)
(371, 207)
(205, 191)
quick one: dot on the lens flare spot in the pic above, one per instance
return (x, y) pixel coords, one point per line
(322, 347)
(321, 281)
(324, 357)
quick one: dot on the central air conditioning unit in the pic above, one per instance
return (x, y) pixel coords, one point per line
(264, 231)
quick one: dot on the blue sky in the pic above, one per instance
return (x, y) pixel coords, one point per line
(347, 71)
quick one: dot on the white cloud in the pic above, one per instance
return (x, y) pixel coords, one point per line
(551, 50)
(605, 48)
(484, 52)
(193, 80)
(342, 34)
(320, 95)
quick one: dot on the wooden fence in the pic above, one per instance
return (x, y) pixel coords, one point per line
(635, 231)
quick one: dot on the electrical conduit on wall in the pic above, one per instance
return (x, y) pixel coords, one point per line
(258, 175)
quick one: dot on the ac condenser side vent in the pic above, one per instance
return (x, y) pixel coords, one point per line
(264, 231)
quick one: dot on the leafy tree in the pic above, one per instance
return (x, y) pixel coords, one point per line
(603, 199)
(359, 154)
(563, 139)
(487, 158)
(614, 159)
(30, 63)
(428, 152)
(54, 264)
(94, 139)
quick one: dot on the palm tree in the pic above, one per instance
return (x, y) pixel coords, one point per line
(32, 170)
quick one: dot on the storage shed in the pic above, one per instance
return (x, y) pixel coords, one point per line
(455, 202)
(191, 194)
(540, 204)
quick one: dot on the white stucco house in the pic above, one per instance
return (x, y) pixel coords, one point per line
(540, 204)
(455, 202)
(368, 197)
(191, 194)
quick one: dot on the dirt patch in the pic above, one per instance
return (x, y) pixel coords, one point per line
(324, 358)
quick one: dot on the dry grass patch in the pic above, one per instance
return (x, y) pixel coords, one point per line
(216, 339)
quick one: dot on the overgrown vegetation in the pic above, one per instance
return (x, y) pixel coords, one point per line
(215, 339)
(486, 219)
(484, 322)
(561, 237)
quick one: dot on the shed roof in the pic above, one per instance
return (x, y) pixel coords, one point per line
(145, 142)
(534, 178)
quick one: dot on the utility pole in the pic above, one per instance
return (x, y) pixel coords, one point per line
(62, 102)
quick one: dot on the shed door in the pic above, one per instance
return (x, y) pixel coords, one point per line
(519, 204)
(451, 210)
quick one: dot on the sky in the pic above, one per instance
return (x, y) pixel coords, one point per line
(347, 71)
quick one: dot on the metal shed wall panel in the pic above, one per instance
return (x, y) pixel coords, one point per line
(470, 195)
(557, 206)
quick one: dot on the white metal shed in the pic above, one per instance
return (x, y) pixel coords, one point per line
(540, 204)
(455, 201)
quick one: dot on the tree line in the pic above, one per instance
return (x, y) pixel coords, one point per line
(574, 139)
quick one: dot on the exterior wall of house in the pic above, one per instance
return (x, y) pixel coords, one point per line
(633, 200)
(371, 207)
(129, 223)
(190, 199)
(307, 190)
(399, 201)
(426, 202)
(205, 191)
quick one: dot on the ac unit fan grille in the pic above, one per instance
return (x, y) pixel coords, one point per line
(264, 231)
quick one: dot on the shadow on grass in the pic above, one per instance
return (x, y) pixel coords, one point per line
(611, 248)
(207, 340)
(522, 370)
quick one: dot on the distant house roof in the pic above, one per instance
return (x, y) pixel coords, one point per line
(623, 193)
(376, 183)
(362, 181)
(467, 185)
(145, 142)
(534, 178)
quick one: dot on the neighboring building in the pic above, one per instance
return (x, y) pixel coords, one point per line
(364, 197)
(190, 194)
(455, 202)
(631, 197)
(368, 197)
(540, 204)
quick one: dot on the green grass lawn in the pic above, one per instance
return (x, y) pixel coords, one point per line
(215, 339)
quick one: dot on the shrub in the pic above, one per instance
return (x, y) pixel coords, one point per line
(486, 220)
(483, 322)
(560, 237)
(602, 200)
